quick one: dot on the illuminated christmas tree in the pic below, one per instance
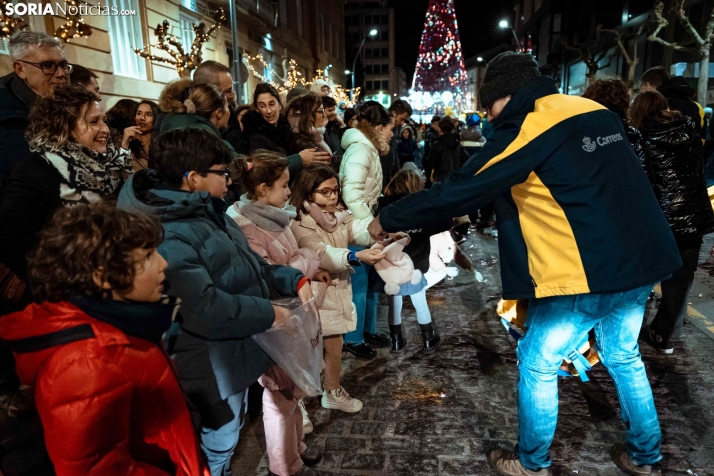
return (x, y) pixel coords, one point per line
(440, 66)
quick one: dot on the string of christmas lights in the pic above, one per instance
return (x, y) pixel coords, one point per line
(171, 44)
(9, 25)
(74, 27)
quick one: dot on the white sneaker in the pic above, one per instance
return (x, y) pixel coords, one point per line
(340, 400)
(306, 423)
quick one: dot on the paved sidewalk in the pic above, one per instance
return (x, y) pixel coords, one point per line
(406, 428)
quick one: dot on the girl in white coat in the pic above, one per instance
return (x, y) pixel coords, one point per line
(361, 182)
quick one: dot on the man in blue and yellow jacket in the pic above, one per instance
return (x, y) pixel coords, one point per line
(581, 235)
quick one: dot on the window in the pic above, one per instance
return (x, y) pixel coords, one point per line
(385, 68)
(284, 12)
(368, 69)
(329, 39)
(367, 19)
(3, 46)
(385, 85)
(385, 53)
(187, 33)
(322, 33)
(124, 35)
(368, 53)
(385, 36)
(385, 20)
(298, 9)
(369, 85)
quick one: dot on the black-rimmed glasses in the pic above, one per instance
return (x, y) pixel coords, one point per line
(49, 68)
(226, 173)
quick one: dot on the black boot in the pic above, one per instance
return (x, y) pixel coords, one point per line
(432, 340)
(398, 341)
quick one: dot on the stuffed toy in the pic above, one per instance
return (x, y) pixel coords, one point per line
(397, 267)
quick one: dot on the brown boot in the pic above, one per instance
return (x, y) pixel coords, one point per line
(507, 463)
(622, 460)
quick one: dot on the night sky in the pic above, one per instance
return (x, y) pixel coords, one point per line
(478, 27)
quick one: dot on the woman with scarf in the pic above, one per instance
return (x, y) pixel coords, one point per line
(72, 162)
(307, 120)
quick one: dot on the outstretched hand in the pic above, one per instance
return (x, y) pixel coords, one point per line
(310, 156)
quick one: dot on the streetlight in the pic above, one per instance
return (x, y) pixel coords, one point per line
(373, 32)
(479, 59)
(505, 24)
(327, 68)
(347, 71)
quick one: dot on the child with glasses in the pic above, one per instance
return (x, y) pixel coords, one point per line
(264, 215)
(324, 225)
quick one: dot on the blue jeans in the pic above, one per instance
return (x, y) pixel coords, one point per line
(218, 445)
(365, 302)
(556, 325)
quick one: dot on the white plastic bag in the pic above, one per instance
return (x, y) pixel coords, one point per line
(297, 347)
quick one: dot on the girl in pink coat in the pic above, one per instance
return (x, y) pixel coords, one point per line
(265, 219)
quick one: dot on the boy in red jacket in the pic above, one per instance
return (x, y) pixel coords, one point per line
(106, 391)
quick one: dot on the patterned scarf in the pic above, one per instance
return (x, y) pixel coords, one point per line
(326, 220)
(87, 175)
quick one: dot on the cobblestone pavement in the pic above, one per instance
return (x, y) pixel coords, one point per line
(406, 428)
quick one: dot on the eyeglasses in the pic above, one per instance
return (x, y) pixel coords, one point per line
(50, 68)
(327, 192)
(320, 111)
(226, 173)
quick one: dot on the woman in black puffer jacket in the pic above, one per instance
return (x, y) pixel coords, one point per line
(671, 153)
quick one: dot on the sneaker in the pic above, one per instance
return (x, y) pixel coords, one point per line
(507, 463)
(659, 343)
(16, 405)
(340, 400)
(306, 423)
(622, 460)
(361, 351)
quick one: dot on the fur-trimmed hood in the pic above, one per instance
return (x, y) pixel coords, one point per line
(365, 133)
(174, 94)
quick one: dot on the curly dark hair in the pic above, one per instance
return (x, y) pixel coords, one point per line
(52, 119)
(81, 240)
(611, 93)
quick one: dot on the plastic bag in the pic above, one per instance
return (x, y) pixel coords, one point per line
(297, 347)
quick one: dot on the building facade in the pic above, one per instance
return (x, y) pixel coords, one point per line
(566, 39)
(309, 31)
(375, 72)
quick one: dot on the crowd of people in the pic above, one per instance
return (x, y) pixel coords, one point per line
(143, 246)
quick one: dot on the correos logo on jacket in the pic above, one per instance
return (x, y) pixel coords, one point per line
(590, 146)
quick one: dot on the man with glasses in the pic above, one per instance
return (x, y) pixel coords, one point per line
(39, 66)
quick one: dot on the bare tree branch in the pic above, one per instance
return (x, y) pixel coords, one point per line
(663, 23)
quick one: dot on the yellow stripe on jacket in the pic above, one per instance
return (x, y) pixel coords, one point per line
(547, 113)
(554, 260)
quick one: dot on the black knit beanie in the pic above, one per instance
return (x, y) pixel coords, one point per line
(506, 74)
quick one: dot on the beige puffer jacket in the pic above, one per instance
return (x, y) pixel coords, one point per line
(361, 170)
(338, 315)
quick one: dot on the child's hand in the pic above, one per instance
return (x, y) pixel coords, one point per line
(322, 277)
(282, 316)
(370, 257)
(305, 295)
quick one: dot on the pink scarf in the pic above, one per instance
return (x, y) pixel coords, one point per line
(326, 220)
